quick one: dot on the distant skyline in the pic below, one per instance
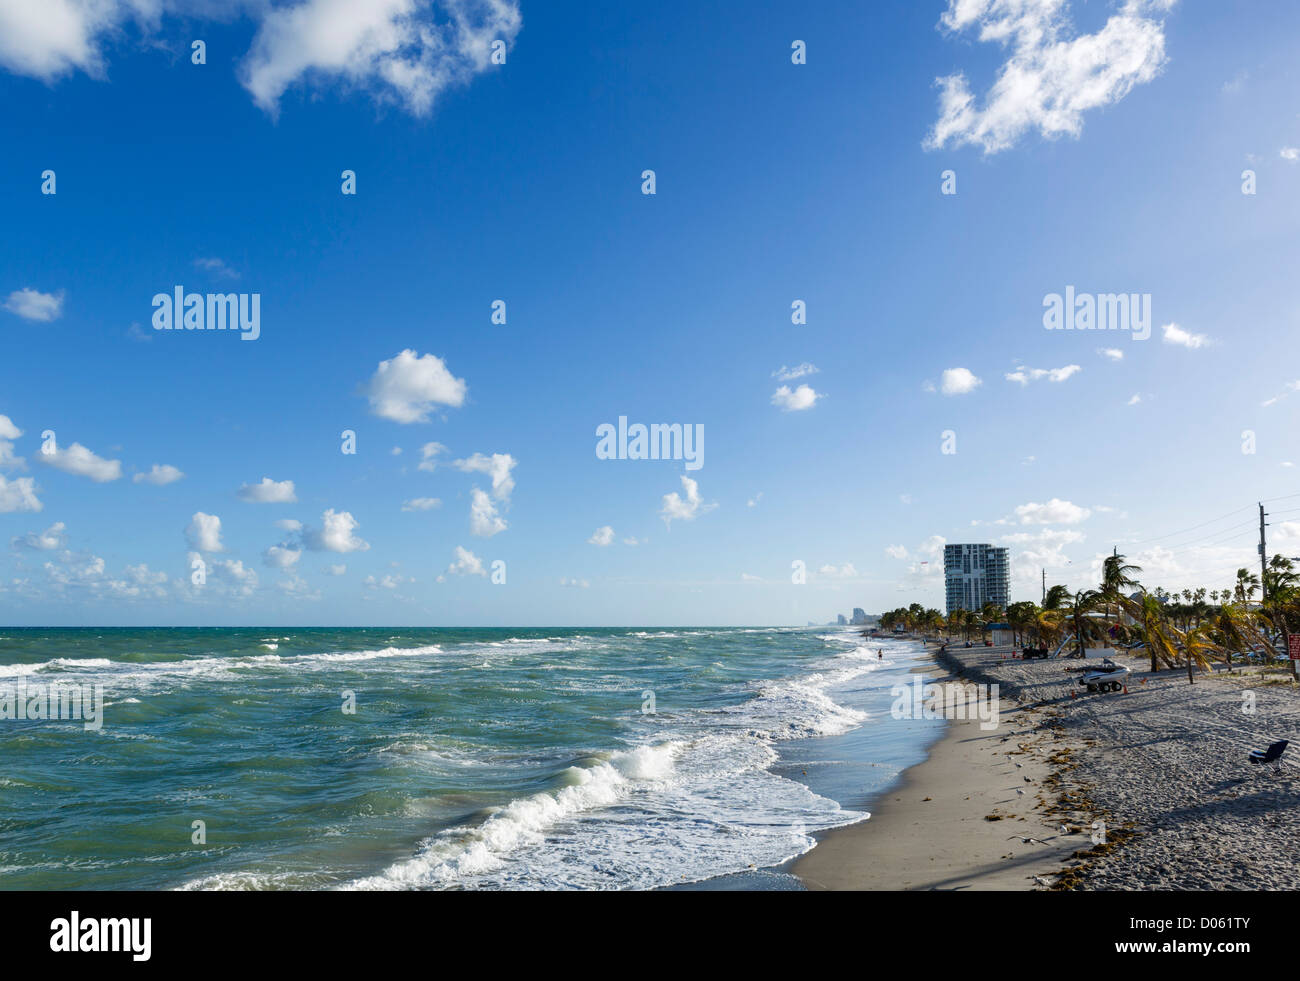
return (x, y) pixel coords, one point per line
(850, 291)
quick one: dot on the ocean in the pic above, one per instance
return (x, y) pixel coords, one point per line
(380, 758)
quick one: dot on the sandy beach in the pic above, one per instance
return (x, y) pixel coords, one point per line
(1163, 766)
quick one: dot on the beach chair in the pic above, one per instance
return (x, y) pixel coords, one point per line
(1270, 755)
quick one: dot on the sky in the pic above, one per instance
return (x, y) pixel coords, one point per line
(860, 215)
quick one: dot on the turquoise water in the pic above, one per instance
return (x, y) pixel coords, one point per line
(474, 758)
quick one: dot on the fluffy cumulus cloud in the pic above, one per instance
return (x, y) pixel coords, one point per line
(688, 508)
(282, 556)
(484, 520)
(896, 551)
(1024, 376)
(78, 460)
(1175, 335)
(1054, 512)
(408, 387)
(958, 381)
(602, 536)
(795, 400)
(159, 474)
(400, 52)
(466, 563)
(498, 466)
(8, 433)
(335, 534)
(53, 537)
(1052, 74)
(18, 495)
(28, 303)
(204, 533)
(268, 491)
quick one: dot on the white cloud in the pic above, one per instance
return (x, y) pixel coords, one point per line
(801, 398)
(18, 495)
(1176, 335)
(1289, 153)
(896, 551)
(78, 460)
(268, 491)
(466, 564)
(387, 582)
(281, 556)
(635, 541)
(403, 52)
(1137, 397)
(602, 536)
(216, 267)
(32, 304)
(335, 570)
(407, 387)
(1054, 512)
(1052, 75)
(497, 466)
(398, 50)
(289, 524)
(753, 502)
(396, 451)
(575, 583)
(1111, 353)
(336, 535)
(234, 573)
(845, 571)
(429, 456)
(1026, 375)
(204, 533)
(159, 474)
(9, 432)
(48, 540)
(687, 509)
(933, 546)
(296, 586)
(958, 381)
(484, 520)
(421, 504)
(798, 371)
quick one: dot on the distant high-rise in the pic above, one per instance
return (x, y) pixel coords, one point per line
(975, 575)
(859, 617)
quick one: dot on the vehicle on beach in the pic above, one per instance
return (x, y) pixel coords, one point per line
(1109, 676)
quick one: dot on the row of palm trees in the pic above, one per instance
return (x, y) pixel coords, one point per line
(1193, 628)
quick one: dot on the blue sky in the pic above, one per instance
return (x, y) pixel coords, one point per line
(1118, 171)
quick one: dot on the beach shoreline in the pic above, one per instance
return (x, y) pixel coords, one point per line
(955, 820)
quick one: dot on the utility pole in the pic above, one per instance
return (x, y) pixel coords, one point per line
(1263, 587)
(1044, 585)
(1263, 562)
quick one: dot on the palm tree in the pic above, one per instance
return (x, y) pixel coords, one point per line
(1149, 622)
(1247, 583)
(1197, 644)
(1084, 602)
(1057, 598)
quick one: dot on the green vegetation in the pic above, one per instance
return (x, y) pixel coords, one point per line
(1191, 629)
